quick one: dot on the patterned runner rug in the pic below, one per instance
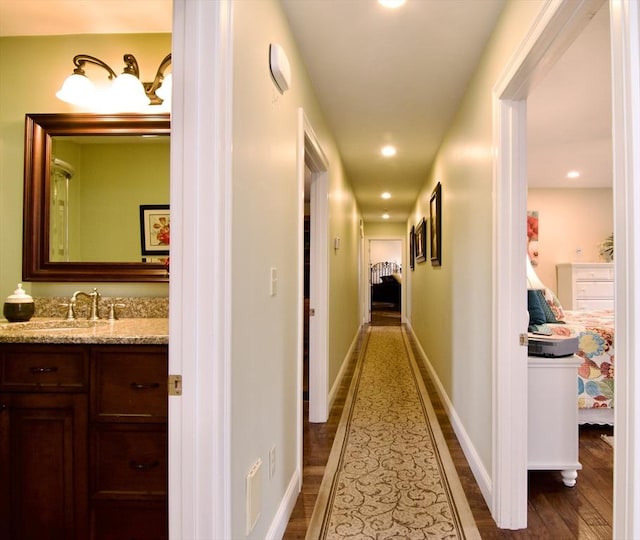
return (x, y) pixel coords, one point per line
(390, 474)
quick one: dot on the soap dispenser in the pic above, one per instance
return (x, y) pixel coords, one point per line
(19, 306)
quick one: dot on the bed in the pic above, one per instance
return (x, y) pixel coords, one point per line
(386, 284)
(595, 332)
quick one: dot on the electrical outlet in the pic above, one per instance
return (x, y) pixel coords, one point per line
(272, 461)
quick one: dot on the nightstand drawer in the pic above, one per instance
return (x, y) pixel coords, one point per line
(129, 461)
(25, 367)
(129, 385)
(594, 289)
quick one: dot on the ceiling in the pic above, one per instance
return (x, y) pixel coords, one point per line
(396, 77)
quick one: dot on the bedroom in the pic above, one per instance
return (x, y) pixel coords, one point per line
(570, 210)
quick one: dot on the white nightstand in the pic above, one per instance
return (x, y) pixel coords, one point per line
(553, 416)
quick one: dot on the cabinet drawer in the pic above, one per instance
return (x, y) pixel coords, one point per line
(129, 461)
(594, 289)
(117, 521)
(593, 273)
(129, 385)
(594, 304)
(31, 368)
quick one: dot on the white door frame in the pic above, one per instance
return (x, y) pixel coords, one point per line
(366, 274)
(311, 153)
(200, 307)
(557, 25)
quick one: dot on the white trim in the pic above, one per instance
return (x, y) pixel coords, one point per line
(319, 272)
(200, 336)
(343, 368)
(281, 519)
(473, 458)
(556, 26)
(625, 54)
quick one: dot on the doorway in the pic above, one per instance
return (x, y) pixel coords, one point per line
(385, 282)
(555, 28)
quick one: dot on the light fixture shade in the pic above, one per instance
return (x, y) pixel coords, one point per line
(164, 92)
(128, 93)
(77, 90)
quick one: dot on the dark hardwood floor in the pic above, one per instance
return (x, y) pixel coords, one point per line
(554, 511)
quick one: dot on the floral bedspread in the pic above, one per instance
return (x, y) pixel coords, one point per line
(595, 342)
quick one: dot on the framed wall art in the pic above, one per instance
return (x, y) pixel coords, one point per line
(412, 248)
(421, 241)
(435, 222)
(155, 232)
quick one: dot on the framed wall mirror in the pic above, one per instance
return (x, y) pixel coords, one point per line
(86, 176)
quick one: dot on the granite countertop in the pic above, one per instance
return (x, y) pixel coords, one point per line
(142, 331)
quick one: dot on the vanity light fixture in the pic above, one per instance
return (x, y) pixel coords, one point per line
(573, 174)
(386, 195)
(126, 90)
(386, 215)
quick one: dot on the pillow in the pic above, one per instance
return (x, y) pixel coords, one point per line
(536, 313)
(548, 312)
(554, 304)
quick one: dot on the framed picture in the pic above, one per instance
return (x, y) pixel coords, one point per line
(155, 223)
(421, 241)
(435, 221)
(412, 248)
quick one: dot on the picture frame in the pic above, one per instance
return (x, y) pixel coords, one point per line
(421, 241)
(155, 223)
(435, 225)
(412, 247)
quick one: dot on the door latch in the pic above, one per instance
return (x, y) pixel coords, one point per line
(175, 385)
(524, 340)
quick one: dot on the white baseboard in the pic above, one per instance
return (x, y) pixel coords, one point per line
(281, 519)
(345, 362)
(477, 468)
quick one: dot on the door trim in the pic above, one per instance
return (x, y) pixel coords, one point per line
(200, 307)
(311, 153)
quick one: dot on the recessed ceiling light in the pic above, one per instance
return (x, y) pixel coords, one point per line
(385, 216)
(573, 174)
(386, 195)
(391, 4)
(388, 151)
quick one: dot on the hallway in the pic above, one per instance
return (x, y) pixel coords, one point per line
(554, 511)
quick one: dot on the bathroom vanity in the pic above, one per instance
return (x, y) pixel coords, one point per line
(83, 429)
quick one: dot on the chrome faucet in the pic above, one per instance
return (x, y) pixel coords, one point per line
(94, 296)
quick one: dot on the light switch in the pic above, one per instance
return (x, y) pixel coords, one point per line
(273, 288)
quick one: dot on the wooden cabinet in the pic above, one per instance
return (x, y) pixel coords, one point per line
(128, 434)
(83, 442)
(585, 286)
(553, 416)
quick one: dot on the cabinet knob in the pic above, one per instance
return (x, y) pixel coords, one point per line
(143, 386)
(143, 466)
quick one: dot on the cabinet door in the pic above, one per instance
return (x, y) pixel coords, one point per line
(43, 466)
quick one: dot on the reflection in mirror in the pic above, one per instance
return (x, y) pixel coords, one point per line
(86, 177)
(97, 187)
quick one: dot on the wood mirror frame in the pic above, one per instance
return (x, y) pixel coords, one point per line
(39, 128)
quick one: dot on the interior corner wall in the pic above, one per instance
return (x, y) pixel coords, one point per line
(453, 324)
(32, 90)
(572, 222)
(265, 205)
